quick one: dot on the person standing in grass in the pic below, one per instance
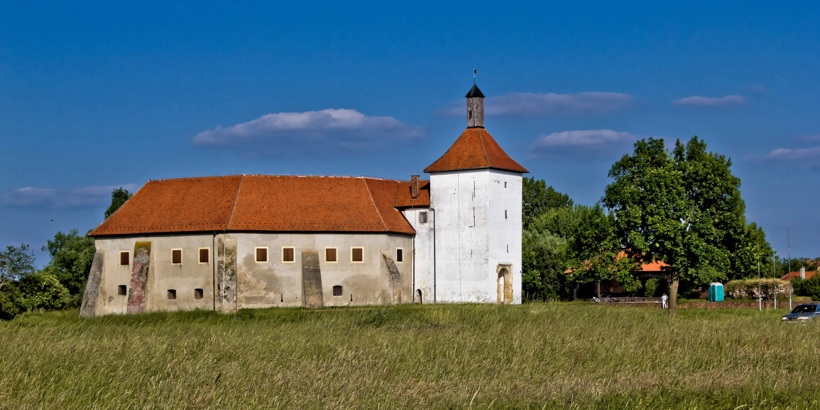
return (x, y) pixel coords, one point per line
(665, 301)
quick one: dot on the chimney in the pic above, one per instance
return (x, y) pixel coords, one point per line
(803, 273)
(414, 186)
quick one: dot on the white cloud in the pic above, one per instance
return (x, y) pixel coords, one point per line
(521, 105)
(815, 137)
(326, 131)
(85, 197)
(696, 101)
(582, 144)
(795, 155)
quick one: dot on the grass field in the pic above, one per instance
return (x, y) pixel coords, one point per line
(444, 356)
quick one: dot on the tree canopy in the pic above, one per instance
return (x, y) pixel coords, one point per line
(118, 197)
(71, 257)
(538, 198)
(681, 207)
(16, 262)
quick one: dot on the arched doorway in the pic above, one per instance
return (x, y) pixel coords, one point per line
(505, 289)
(418, 291)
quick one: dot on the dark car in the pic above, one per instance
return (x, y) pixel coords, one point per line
(806, 311)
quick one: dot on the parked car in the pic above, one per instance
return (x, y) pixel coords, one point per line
(806, 311)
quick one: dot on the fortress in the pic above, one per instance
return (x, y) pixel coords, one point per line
(258, 241)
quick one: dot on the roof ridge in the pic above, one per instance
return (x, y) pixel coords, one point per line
(483, 150)
(236, 200)
(372, 201)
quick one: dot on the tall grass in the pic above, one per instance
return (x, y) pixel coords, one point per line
(433, 356)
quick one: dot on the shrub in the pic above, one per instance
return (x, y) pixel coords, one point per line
(748, 288)
(43, 291)
(811, 287)
(10, 300)
(650, 287)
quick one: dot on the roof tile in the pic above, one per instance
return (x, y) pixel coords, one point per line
(475, 149)
(260, 203)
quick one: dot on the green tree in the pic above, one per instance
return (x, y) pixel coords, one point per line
(596, 252)
(544, 252)
(681, 207)
(752, 249)
(71, 257)
(538, 198)
(118, 197)
(16, 262)
(543, 258)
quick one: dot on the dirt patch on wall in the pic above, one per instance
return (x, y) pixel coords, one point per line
(391, 278)
(140, 269)
(226, 274)
(92, 287)
(311, 279)
(258, 284)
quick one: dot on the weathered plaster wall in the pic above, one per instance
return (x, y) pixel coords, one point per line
(505, 232)
(472, 233)
(232, 279)
(161, 276)
(422, 253)
(280, 284)
(461, 204)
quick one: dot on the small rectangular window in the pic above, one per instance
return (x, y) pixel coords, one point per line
(204, 255)
(125, 258)
(288, 254)
(198, 293)
(172, 294)
(505, 214)
(176, 256)
(356, 254)
(337, 290)
(261, 254)
(330, 255)
(122, 290)
(399, 255)
(505, 185)
(422, 217)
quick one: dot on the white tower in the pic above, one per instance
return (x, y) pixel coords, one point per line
(476, 195)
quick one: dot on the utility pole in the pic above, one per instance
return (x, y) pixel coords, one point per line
(774, 274)
(759, 293)
(789, 245)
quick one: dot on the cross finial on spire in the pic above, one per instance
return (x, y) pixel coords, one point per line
(474, 71)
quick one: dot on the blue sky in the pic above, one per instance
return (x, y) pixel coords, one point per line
(97, 95)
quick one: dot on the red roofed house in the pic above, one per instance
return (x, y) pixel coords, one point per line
(253, 241)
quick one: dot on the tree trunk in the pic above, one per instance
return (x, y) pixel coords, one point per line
(598, 288)
(673, 295)
(575, 292)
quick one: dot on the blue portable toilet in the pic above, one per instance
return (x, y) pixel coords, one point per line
(716, 292)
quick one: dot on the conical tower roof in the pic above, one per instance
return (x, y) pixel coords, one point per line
(474, 92)
(475, 149)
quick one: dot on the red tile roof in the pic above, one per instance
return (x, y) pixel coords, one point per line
(405, 200)
(261, 203)
(654, 266)
(790, 275)
(475, 149)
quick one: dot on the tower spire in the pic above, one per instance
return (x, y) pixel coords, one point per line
(475, 106)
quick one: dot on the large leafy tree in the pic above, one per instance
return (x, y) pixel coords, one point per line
(538, 198)
(682, 207)
(118, 197)
(549, 219)
(71, 257)
(596, 252)
(16, 262)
